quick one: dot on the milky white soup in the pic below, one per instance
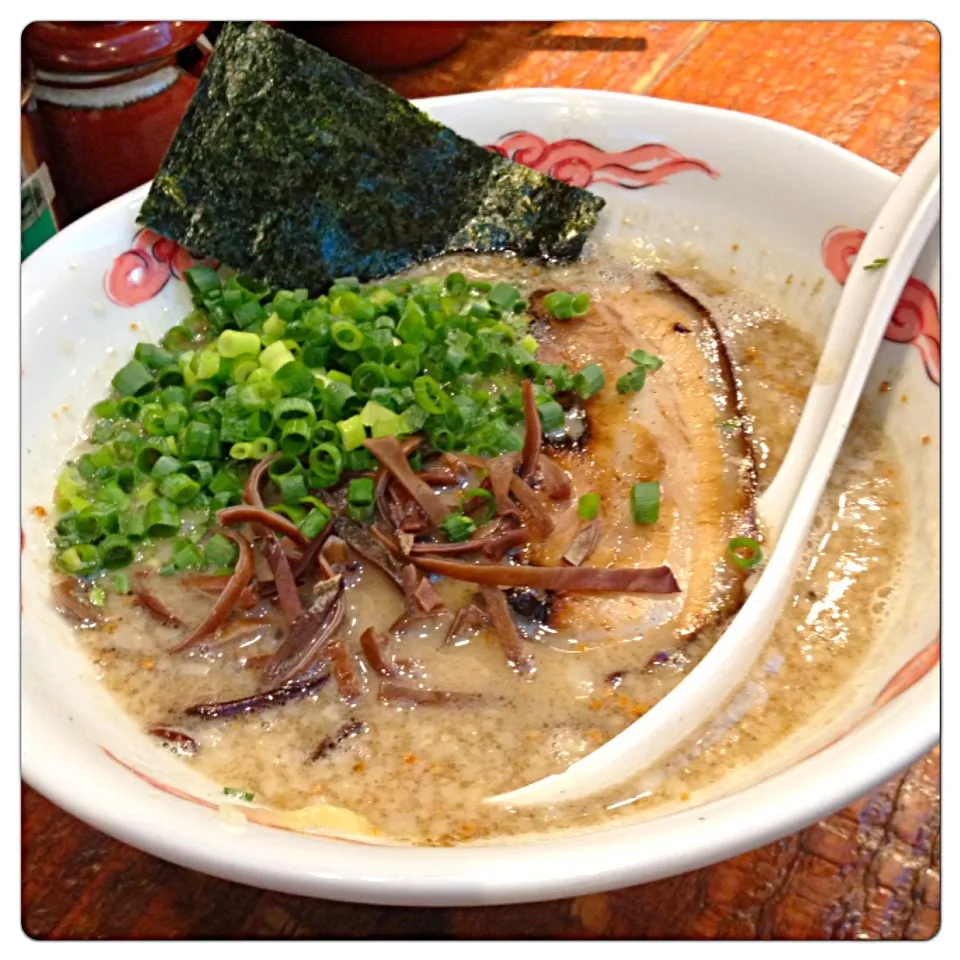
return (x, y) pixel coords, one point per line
(419, 773)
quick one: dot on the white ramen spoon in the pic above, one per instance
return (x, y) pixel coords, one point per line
(787, 509)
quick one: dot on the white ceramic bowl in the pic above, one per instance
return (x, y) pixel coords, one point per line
(738, 191)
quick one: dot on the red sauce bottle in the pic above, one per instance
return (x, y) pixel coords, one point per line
(110, 96)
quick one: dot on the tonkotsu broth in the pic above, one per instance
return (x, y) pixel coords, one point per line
(420, 774)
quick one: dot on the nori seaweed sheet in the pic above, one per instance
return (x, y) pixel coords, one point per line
(295, 168)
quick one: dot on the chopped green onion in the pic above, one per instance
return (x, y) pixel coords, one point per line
(430, 396)
(636, 378)
(273, 326)
(249, 314)
(455, 283)
(242, 451)
(632, 381)
(121, 583)
(220, 551)
(292, 487)
(877, 264)
(145, 492)
(186, 555)
(175, 418)
(132, 379)
(374, 412)
(403, 363)
(551, 416)
(352, 433)
(202, 281)
(326, 464)
(207, 363)
(275, 356)
(126, 479)
(147, 457)
(367, 377)
(588, 506)
(382, 422)
(115, 552)
(478, 493)
(172, 395)
(244, 795)
(564, 306)
(154, 419)
(132, 525)
(285, 466)
(242, 369)
(225, 482)
(325, 431)
(339, 376)
(294, 408)
(294, 511)
(589, 380)
(96, 521)
(346, 335)
(412, 327)
(645, 502)
(80, 559)
(234, 343)
(360, 492)
(745, 552)
(361, 514)
(165, 466)
(646, 360)
(442, 439)
(295, 379)
(105, 409)
(504, 295)
(219, 501)
(457, 527)
(359, 461)
(97, 596)
(162, 518)
(196, 440)
(129, 408)
(295, 436)
(262, 447)
(179, 488)
(315, 520)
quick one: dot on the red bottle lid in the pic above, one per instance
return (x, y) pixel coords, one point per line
(93, 46)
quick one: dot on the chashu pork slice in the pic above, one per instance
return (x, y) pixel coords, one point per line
(684, 428)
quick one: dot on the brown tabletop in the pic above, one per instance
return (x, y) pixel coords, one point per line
(871, 871)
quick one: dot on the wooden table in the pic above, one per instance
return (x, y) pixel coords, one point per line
(872, 870)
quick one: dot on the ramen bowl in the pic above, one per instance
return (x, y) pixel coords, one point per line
(783, 212)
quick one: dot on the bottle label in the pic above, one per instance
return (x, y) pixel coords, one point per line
(37, 222)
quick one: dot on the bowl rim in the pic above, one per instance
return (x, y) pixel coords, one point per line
(542, 868)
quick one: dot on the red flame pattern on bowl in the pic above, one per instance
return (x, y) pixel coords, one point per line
(139, 274)
(581, 164)
(915, 320)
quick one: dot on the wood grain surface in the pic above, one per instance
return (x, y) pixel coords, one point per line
(871, 871)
